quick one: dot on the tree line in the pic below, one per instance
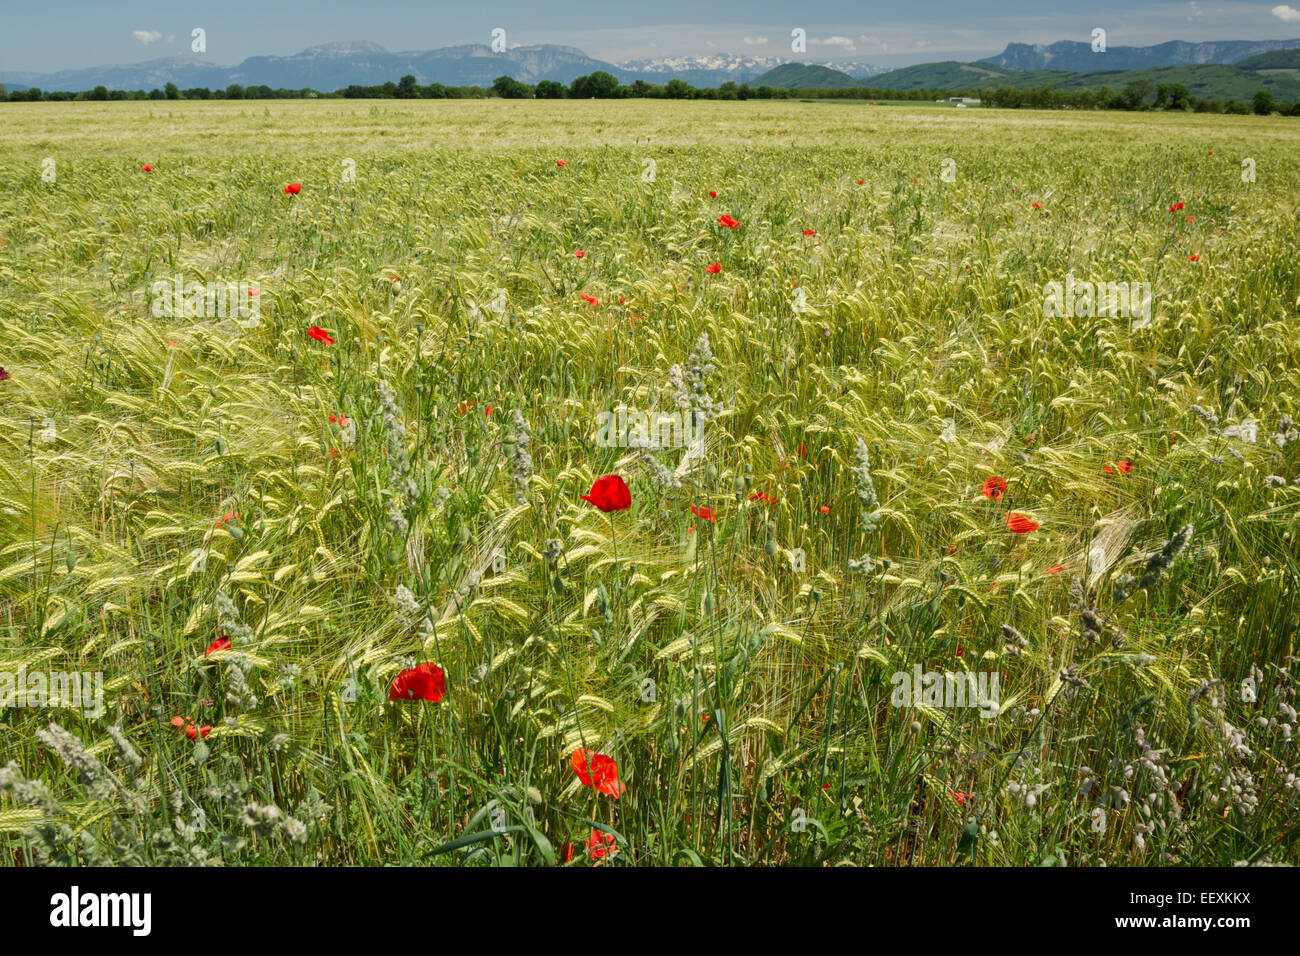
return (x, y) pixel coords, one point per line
(598, 85)
(1136, 96)
(1139, 95)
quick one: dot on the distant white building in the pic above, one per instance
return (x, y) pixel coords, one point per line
(961, 100)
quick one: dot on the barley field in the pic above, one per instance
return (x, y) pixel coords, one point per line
(341, 552)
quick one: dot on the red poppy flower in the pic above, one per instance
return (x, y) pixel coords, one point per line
(1191, 219)
(465, 406)
(1056, 570)
(147, 169)
(1196, 257)
(861, 181)
(825, 509)
(810, 232)
(960, 650)
(579, 254)
(713, 268)
(705, 514)
(186, 725)
(220, 644)
(425, 682)
(1020, 524)
(713, 194)
(727, 221)
(600, 843)
(561, 162)
(599, 771)
(227, 518)
(1124, 466)
(1036, 205)
(4, 376)
(959, 796)
(803, 450)
(609, 493)
(994, 487)
(568, 853)
(762, 496)
(340, 420)
(1177, 207)
(320, 335)
(590, 299)
(293, 189)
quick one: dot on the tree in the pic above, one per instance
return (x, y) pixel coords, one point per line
(1263, 103)
(234, 92)
(1135, 95)
(99, 93)
(507, 87)
(550, 90)
(677, 89)
(406, 88)
(600, 85)
(171, 91)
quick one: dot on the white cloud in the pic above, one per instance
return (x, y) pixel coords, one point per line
(843, 42)
(1286, 13)
(755, 41)
(147, 36)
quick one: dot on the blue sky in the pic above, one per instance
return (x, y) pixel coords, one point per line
(71, 34)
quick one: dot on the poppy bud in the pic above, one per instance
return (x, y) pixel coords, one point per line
(770, 547)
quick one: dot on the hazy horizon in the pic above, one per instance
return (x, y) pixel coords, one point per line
(138, 31)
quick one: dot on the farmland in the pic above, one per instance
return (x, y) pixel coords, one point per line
(329, 555)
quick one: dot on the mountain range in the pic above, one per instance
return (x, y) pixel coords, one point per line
(1078, 57)
(333, 66)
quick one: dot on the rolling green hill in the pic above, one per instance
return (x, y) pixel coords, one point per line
(1207, 81)
(1277, 60)
(802, 76)
(948, 75)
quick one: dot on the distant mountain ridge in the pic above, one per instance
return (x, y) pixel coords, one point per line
(1077, 57)
(332, 66)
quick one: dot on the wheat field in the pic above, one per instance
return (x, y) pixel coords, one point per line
(329, 554)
